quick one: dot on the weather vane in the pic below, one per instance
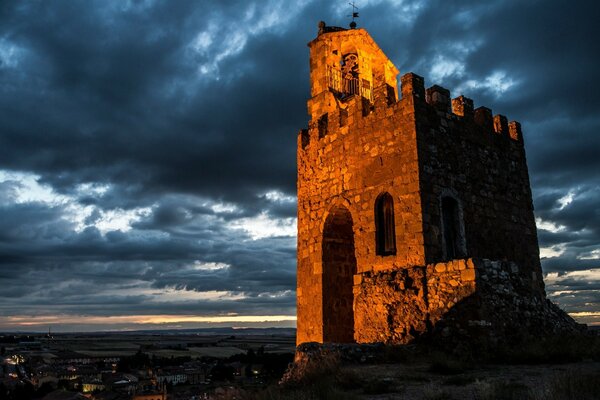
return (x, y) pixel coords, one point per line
(353, 15)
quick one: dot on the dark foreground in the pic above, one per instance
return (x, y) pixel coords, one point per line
(555, 368)
(250, 366)
(433, 381)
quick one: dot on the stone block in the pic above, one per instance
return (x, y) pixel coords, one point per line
(467, 275)
(358, 279)
(463, 106)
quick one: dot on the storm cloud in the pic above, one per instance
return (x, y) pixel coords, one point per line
(147, 148)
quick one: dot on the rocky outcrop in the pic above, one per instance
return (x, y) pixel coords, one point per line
(501, 312)
(314, 360)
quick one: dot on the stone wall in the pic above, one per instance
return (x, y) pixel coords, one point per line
(502, 310)
(461, 300)
(479, 160)
(449, 284)
(390, 306)
(352, 152)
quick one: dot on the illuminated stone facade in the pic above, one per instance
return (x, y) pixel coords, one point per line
(403, 198)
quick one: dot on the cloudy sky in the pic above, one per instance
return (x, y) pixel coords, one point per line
(147, 148)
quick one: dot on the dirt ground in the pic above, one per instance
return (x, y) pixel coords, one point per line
(419, 381)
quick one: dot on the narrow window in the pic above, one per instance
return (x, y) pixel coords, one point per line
(305, 138)
(367, 107)
(390, 94)
(322, 125)
(385, 228)
(343, 117)
(452, 231)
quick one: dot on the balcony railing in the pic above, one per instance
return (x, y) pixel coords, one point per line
(337, 82)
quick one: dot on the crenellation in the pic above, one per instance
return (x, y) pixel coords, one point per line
(501, 125)
(514, 129)
(463, 107)
(384, 97)
(483, 117)
(304, 138)
(412, 85)
(439, 98)
(391, 94)
(323, 125)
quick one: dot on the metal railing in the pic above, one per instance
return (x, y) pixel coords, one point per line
(337, 82)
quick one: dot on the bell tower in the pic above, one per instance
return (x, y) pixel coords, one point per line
(356, 161)
(346, 63)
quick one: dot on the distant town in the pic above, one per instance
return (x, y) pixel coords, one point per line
(147, 365)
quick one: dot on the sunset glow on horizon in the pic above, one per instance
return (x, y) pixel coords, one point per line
(134, 322)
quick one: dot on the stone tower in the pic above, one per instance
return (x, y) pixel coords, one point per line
(410, 204)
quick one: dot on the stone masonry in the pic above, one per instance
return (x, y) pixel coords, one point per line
(408, 203)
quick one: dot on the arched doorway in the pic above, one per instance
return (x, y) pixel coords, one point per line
(339, 267)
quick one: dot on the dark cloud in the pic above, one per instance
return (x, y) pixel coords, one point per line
(181, 119)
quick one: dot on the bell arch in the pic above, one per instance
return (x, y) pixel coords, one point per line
(339, 268)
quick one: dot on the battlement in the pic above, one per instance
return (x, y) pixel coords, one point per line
(354, 102)
(439, 98)
(331, 109)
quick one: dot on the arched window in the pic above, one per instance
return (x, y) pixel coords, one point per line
(385, 227)
(452, 229)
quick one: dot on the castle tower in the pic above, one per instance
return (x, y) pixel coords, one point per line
(405, 199)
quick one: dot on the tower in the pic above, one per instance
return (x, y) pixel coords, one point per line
(406, 200)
